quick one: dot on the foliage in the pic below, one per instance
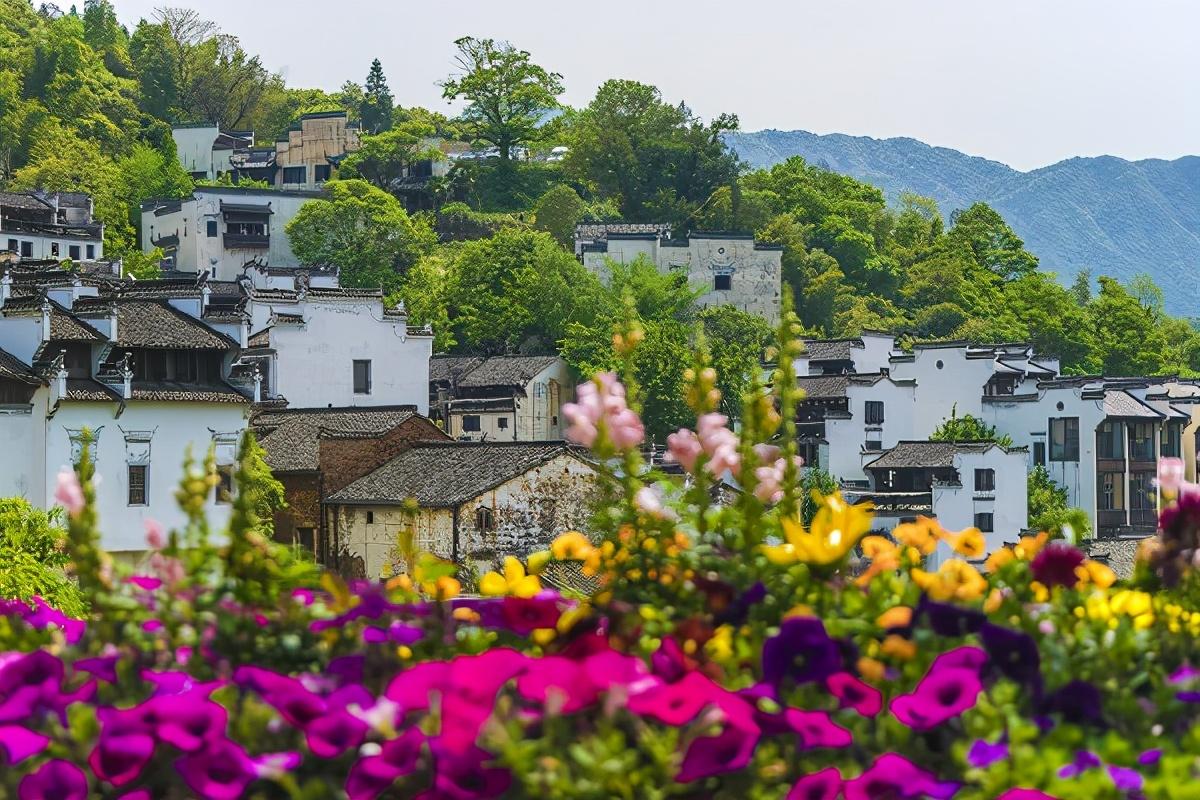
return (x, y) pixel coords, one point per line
(727, 651)
(737, 343)
(967, 428)
(143, 266)
(375, 109)
(385, 158)
(506, 93)
(363, 231)
(34, 558)
(1048, 509)
(558, 211)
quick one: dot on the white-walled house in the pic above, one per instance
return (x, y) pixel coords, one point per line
(732, 269)
(500, 398)
(206, 151)
(50, 225)
(221, 229)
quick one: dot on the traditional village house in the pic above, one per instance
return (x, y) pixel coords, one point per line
(733, 269)
(50, 225)
(314, 452)
(207, 152)
(500, 398)
(311, 148)
(476, 503)
(222, 229)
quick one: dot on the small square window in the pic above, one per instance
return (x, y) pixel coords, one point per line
(91, 251)
(26, 249)
(1039, 453)
(985, 480)
(54, 249)
(873, 445)
(210, 228)
(370, 517)
(471, 423)
(294, 175)
(362, 377)
(225, 483)
(723, 283)
(137, 484)
(321, 173)
(13, 245)
(502, 423)
(874, 412)
(485, 520)
(73, 252)
(984, 521)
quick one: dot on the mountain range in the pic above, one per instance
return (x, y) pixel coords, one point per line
(1106, 214)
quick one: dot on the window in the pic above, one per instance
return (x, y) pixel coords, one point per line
(137, 484)
(1142, 492)
(26, 249)
(295, 174)
(1172, 441)
(723, 283)
(985, 480)
(485, 520)
(91, 251)
(225, 483)
(1110, 440)
(362, 377)
(874, 412)
(873, 445)
(321, 173)
(370, 517)
(73, 252)
(13, 244)
(1141, 441)
(1039, 453)
(1064, 439)
(502, 423)
(305, 538)
(210, 228)
(471, 423)
(1112, 491)
(54, 249)
(985, 521)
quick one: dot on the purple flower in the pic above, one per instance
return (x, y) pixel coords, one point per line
(29, 682)
(102, 667)
(465, 776)
(347, 669)
(728, 751)
(178, 682)
(220, 772)
(469, 694)
(397, 633)
(823, 785)
(739, 609)
(801, 651)
(676, 704)
(1055, 564)
(332, 734)
(1084, 760)
(46, 616)
(1151, 757)
(1124, 778)
(982, 754)
(948, 619)
(967, 657)
(1077, 701)
(1025, 794)
(371, 776)
(854, 693)
(941, 695)
(54, 780)
(524, 615)
(1014, 653)
(18, 743)
(894, 776)
(119, 759)
(561, 678)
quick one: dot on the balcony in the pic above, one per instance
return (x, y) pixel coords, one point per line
(247, 241)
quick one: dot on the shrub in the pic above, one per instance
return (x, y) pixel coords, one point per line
(727, 651)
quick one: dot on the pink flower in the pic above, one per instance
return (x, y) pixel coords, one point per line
(69, 493)
(558, 682)
(769, 488)
(1171, 474)
(18, 743)
(602, 400)
(894, 776)
(728, 751)
(823, 785)
(220, 772)
(54, 780)
(649, 501)
(719, 443)
(676, 704)
(1025, 794)
(155, 538)
(169, 570)
(683, 447)
(853, 693)
(941, 695)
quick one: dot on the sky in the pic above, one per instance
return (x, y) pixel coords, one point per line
(1025, 82)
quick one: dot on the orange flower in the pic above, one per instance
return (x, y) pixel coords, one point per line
(1029, 546)
(895, 617)
(875, 546)
(571, 546)
(871, 669)
(994, 599)
(954, 580)
(1095, 573)
(898, 647)
(968, 542)
(922, 534)
(998, 559)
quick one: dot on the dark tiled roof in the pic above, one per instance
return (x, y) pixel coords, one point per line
(447, 474)
(13, 368)
(170, 391)
(66, 327)
(290, 436)
(86, 389)
(1119, 554)
(149, 324)
(260, 339)
(929, 455)
(23, 200)
(505, 371)
(443, 368)
(823, 386)
(601, 230)
(832, 349)
(1123, 404)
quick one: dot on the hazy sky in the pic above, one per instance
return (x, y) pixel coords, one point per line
(1027, 82)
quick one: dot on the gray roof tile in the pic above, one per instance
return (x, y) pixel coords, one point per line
(817, 387)
(290, 436)
(928, 455)
(150, 324)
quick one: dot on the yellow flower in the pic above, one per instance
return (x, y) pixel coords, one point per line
(998, 559)
(720, 646)
(1096, 574)
(836, 528)
(993, 601)
(922, 534)
(954, 580)
(898, 647)
(1040, 593)
(1028, 546)
(875, 546)
(536, 562)
(571, 546)
(513, 582)
(871, 669)
(800, 610)
(968, 542)
(895, 617)
(1131, 603)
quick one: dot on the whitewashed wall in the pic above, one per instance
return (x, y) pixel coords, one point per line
(23, 436)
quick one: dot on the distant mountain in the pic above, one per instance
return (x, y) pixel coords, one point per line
(1114, 216)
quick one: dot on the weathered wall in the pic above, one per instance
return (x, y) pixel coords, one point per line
(344, 460)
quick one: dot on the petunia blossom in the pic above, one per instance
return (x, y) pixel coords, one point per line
(1125, 779)
(558, 683)
(676, 704)
(18, 743)
(54, 780)
(825, 784)
(941, 695)
(982, 754)
(1014, 653)
(120, 759)
(802, 652)
(1083, 761)
(372, 775)
(854, 693)
(728, 751)
(1025, 794)
(894, 776)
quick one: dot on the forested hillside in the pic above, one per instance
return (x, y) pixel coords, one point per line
(1112, 216)
(86, 104)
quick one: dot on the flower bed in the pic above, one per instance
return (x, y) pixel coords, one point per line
(768, 648)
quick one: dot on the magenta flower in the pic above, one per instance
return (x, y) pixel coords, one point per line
(894, 776)
(557, 683)
(18, 743)
(30, 682)
(285, 694)
(332, 734)
(823, 785)
(373, 775)
(524, 615)
(1125, 779)
(1150, 758)
(68, 492)
(816, 729)
(189, 721)
(972, 658)
(1025, 794)
(470, 694)
(412, 688)
(610, 668)
(802, 651)
(941, 695)
(221, 772)
(119, 759)
(102, 667)
(44, 616)
(728, 751)
(676, 704)
(1055, 564)
(854, 693)
(466, 776)
(982, 754)
(54, 780)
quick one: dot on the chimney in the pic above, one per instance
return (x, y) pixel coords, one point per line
(205, 293)
(60, 376)
(257, 385)
(127, 376)
(112, 323)
(45, 320)
(5, 288)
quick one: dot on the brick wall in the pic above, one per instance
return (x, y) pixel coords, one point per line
(343, 460)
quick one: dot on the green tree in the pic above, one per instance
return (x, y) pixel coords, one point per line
(1057, 325)
(1048, 508)
(558, 211)
(507, 94)
(155, 62)
(967, 428)
(385, 158)
(1081, 287)
(995, 245)
(363, 231)
(1127, 339)
(375, 109)
(737, 342)
(34, 557)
